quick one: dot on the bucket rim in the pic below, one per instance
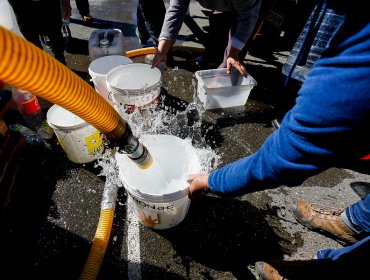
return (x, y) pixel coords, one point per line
(158, 83)
(181, 192)
(157, 198)
(59, 127)
(124, 61)
(136, 92)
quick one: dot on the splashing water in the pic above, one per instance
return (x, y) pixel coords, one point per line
(163, 120)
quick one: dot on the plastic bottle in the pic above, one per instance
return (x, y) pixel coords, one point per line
(327, 23)
(31, 137)
(30, 109)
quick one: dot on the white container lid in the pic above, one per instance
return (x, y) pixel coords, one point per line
(61, 118)
(135, 76)
(104, 64)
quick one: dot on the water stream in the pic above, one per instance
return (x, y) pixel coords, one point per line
(163, 120)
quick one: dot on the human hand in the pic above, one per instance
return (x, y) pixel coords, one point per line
(161, 53)
(233, 61)
(198, 182)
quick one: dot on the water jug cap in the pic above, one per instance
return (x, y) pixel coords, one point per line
(104, 42)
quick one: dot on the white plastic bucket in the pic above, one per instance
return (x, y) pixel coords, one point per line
(99, 68)
(159, 194)
(80, 141)
(6, 15)
(134, 85)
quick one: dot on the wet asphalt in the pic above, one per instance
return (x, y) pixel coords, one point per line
(55, 206)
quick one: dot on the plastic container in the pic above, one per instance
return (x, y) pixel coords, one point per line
(134, 85)
(99, 68)
(104, 42)
(29, 107)
(80, 141)
(5, 15)
(32, 138)
(159, 195)
(330, 22)
(218, 89)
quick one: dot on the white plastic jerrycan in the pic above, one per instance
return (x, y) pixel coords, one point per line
(103, 42)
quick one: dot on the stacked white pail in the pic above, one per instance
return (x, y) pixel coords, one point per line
(135, 85)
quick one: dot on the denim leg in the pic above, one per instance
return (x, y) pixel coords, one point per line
(348, 262)
(353, 253)
(29, 17)
(218, 36)
(141, 27)
(153, 12)
(83, 7)
(357, 216)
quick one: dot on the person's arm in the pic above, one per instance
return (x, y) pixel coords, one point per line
(173, 21)
(324, 129)
(248, 12)
(161, 52)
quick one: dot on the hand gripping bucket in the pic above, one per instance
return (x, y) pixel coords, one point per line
(134, 85)
(80, 141)
(159, 195)
(98, 70)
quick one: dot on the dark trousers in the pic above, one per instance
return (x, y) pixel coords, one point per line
(222, 26)
(150, 17)
(83, 7)
(39, 18)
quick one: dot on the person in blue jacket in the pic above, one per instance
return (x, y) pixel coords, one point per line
(326, 128)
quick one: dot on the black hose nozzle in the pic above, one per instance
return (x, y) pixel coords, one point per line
(135, 150)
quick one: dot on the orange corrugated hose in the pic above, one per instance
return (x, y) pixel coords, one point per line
(139, 52)
(25, 66)
(99, 245)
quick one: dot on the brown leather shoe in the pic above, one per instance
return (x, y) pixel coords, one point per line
(267, 272)
(325, 220)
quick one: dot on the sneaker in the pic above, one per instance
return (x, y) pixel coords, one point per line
(324, 220)
(87, 17)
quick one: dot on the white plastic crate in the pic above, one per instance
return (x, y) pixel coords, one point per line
(218, 89)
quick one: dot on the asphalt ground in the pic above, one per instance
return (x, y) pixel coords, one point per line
(52, 216)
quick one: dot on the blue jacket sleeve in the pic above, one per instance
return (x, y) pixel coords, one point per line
(326, 128)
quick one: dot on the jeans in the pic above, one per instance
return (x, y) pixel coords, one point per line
(356, 217)
(83, 7)
(150, 17)
(38, 18)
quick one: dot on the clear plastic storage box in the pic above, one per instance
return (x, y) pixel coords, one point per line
(218, 89)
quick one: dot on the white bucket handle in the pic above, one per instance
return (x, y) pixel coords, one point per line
(109, 94)
(92, 80)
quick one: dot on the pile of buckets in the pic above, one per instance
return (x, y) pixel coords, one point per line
(159, 194)
(125, 85)
(122, 83)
